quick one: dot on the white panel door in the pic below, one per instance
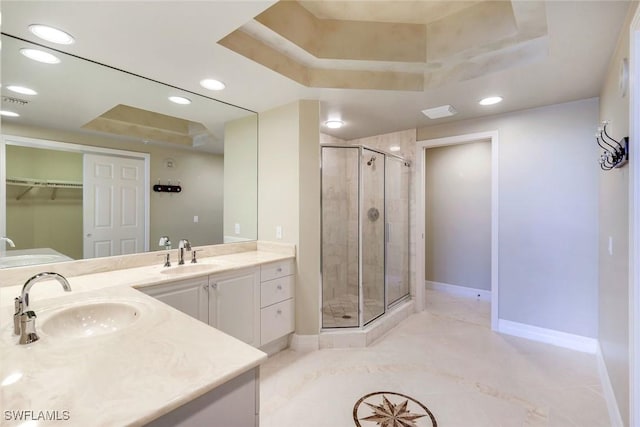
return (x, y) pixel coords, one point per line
(114, 211)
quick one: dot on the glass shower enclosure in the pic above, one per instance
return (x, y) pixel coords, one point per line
(365, 234)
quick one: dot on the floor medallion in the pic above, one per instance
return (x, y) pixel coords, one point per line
(389, 409)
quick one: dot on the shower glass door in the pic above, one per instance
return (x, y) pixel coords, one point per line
(372, 219)
(397, 229)
(340, 273)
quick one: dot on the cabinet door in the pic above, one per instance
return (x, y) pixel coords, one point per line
(189, 296)
(276, 321)
(234, 305)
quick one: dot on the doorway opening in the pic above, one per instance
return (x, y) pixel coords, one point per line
(447, 241)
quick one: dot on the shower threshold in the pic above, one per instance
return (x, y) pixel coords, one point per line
(363, 337)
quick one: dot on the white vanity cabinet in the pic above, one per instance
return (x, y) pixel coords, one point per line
(277, 308)
(234, 304)
(189, 296)
(255, 305)
(235, 403)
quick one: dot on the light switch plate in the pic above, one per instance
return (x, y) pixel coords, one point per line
(610, 245)
(236, 228)
(278, 232)
(195, 218)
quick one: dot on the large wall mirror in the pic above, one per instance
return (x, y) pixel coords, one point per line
(87, 121)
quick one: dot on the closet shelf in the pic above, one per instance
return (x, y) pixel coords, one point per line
(29, 182)
(47, 183)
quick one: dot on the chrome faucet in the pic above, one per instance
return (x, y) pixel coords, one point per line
(182, 245)
(166, 242)
(8, 240)
(24, 320)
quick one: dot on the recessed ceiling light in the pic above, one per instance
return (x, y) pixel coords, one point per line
(394, 148)
(439, 112)
(23, 90)
(334, 124)
(491, 100)
(180, 100)
(9, 114)
(40, 56)
(51, 34)
(212, 84)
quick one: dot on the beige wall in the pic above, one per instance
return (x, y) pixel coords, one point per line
(613, 224)
(37, 220)
(458, 215)
(200, 174)
(289, 196)
(241, 178)
(548, 213)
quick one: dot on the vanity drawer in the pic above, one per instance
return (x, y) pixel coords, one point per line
(276, 290)
(276, 269)
(276, 321)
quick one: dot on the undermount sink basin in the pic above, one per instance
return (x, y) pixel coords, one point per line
(187, 268)
(92, 319)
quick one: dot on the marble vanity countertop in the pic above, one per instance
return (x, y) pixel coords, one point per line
(140, 277)
(129, 377)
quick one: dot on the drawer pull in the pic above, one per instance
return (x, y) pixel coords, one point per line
(279, 270)
(279, 287)
(279, 311)
(214, 286)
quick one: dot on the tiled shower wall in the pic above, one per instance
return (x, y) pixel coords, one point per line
(340, 223)
(406, 140)
(397, 213)
(372, 224)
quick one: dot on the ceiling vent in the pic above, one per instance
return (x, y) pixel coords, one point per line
(439, 112)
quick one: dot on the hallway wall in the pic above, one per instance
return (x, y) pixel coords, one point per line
(548, 213)
(613, 281)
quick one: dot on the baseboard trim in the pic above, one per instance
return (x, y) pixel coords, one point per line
(304, 342)
(549, 336)
(607, 390)
(482, 294)
(275, 346)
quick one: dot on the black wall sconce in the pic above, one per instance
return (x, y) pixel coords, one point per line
(616, 153)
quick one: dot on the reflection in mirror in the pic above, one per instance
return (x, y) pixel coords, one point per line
(84, 114)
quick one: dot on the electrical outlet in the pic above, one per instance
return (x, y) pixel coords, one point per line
(236, 228)
(279, 232)
(195, 218)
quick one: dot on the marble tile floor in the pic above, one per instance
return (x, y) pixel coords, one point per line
(448, 359)
(335, 310)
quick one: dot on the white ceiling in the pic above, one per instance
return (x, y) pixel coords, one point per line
(175, 42)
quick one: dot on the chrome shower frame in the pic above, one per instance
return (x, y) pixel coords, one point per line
(361, 308)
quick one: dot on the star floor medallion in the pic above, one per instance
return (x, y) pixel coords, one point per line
(389, 409)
